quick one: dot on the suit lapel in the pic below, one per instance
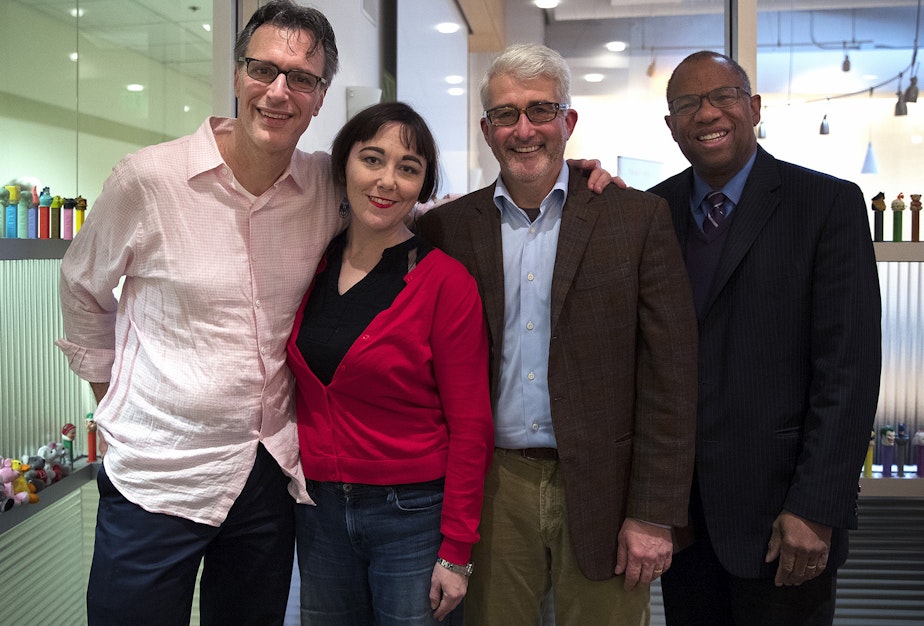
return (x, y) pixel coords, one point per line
(759, 200)
(485, 233)
(577, 223)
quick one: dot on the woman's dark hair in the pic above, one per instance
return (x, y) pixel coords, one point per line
(286, 15)
(415, 134)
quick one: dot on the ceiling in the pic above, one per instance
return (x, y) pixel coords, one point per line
(171, 31)
(167, 31)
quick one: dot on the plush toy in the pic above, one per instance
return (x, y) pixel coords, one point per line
(20, 484)
(10, 478)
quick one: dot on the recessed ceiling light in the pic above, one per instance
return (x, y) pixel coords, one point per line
(616, 46)
(546, 4)
(447, 28)
(207, 28)
(135, 87)
(75, 12)
(455, 79)
(593, 78)
(456, 91)
(186, 108)
(73, 56)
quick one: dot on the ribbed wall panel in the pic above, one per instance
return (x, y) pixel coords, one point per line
(42, 579)
(901, 397)
(38, 393)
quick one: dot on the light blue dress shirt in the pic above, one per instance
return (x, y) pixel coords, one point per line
(524, 417)
(732, 190)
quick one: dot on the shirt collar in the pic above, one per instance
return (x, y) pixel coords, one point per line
(732, 189)
(557, 196)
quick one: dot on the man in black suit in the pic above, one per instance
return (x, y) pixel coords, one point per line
(787, 295)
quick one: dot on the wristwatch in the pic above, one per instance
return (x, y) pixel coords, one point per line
(465, 570)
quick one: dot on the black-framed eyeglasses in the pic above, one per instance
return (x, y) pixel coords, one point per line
(538, 113)
(266, 72)
(721, 98)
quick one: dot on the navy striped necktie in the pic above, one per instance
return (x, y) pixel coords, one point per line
(715, 216)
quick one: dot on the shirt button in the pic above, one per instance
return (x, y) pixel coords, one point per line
(535, 426)
(531, 376)
(530, 276)
(262, 349)
(529, 326)
(257, 303)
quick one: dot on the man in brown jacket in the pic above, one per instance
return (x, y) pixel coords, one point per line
(593, 366)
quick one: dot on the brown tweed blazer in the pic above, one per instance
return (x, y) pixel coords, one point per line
(622, 358)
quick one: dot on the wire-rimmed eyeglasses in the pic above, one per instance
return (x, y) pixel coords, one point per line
(720, 98)
(266, 72)
(538, 113)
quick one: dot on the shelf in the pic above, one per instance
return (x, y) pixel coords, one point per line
(21, 249)
(909, 486)
(912, 251)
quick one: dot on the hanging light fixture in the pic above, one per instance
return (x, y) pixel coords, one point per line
(900, 107)
(651, 66)
(911, 94)
(870, 164)
(845, 66)
(761, 130)
(823, 129)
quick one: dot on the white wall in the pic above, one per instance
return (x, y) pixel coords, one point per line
(358, 42)
(425, 58)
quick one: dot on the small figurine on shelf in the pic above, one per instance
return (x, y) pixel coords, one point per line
(879, 207)
(918, 443)
(868, 462)
(91, 439)
(887, 439)
(915, 217)
(22, 214)
(80, 213)
(898, 205)
(44, 209)
(901, 450)
(69, 432)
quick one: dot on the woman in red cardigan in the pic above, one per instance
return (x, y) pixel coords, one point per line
(389, 351)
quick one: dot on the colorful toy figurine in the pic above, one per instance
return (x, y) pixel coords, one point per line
(898, 205)
(879, 207)
(915, 217)
(887, 439)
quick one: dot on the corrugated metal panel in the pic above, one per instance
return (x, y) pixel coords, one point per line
(38, 394)
(42, 579)
(882, 582)
(901, 395)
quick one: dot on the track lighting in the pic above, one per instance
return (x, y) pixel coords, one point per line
(911, 94)
(845, 66)
(823, 129)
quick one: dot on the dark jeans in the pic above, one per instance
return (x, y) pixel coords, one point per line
(145, 564)
(366, 553)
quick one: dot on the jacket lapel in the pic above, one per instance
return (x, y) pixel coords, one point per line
(485, 233)
(759, 200)
(577, 223)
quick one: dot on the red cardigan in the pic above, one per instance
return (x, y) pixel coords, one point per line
(409, 402)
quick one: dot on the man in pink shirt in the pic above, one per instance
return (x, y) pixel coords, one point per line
(217, 236)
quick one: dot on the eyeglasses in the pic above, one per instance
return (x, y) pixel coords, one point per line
(721, 98)
(266, 72)
(538, 113)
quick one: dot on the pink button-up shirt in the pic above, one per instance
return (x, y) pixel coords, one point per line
(194, 348)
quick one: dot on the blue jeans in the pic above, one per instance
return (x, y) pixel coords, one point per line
(366, 553)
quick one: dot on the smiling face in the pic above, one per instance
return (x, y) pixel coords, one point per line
(272, 117)
(384, 176)
(716, 141)
(530, 155)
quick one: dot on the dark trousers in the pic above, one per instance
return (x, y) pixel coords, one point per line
(145, 564)
(697, 590)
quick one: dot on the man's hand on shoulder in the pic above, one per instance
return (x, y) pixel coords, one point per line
(599, 178)
(802, 547)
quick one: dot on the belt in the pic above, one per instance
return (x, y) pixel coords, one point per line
(535, 454)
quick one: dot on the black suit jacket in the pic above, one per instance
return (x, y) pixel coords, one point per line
(622, 358)
(789, 359)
